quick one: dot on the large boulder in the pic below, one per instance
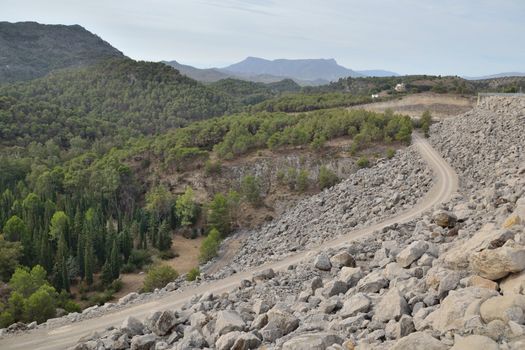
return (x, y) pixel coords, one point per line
(489, 236)
(372, 283)
(505, 308)
(444, 218)
(132, 326)
(143, 342)
(513, 284)
(342, 259)
(350, 275)
(450, 314)
(238, 341)
(164, 323)
(279, 324)
(475, 342)
(312, 341)
(494, 264)
(419, 341)
(322, 262)
(354, 305)
(334, 287)
(391, 307)
(228, 321)
(411, 253)
(265, 274)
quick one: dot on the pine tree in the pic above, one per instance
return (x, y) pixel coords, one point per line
(114, 260)
(89, 260)
(125, 243)
(153, 230)
(164, 236)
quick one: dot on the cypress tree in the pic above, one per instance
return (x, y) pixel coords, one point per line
(114, 260)
(164, 236)
(88, 260)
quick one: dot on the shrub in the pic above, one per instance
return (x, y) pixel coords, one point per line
(390, 153)
(210, 246)
(251, 189)
(302, 181)
(139, 258)
(158, 277)
(426, 120)
(212, 168)
(193, 274)
(327, 178)
(363, 162)
(167, 254)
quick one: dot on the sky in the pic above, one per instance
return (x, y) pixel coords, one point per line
(448, 37)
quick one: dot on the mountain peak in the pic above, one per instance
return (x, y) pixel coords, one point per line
(325, 69)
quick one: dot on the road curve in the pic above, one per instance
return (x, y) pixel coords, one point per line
(445, 184)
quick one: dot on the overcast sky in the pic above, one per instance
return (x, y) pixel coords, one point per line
(463, 37)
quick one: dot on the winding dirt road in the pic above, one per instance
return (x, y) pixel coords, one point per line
(445, 184)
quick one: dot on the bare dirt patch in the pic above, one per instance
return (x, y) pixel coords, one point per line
(440, 105)
(188, 258)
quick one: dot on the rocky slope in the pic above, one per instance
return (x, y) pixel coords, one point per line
(452, 279)
(365, 197)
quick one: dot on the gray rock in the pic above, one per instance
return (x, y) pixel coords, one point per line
(280, 323)
(238, 341)
(372, 283)
(342, 259)
(334, 287)
(264, 275)
(350, 275)
(444, 218)
(312, 341)
(228, 321)
(322, 262)
(132, 326)
(164, 323)
(143, 342)
(474, 342)
(411, 253)
(354, 305)
(391, 307)
(419, 341)
(494, 264)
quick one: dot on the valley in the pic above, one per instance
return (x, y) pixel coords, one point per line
(277, 204)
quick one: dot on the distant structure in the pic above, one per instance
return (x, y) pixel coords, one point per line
(374, 96)
(400, 87)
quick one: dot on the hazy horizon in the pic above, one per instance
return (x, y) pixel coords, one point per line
(466, 38)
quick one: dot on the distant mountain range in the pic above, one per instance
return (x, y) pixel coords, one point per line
(30, 50)
(303, 71)
(498, 75)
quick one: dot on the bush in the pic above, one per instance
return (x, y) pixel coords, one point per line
(390, 153)
(327, 178)
(210, 246)
(302, 181)
(212, 168)
(71, 306)
(193, 274)
(167, 254)
(158, 277)
(251, 189)
(363, 162)
(426, 120)
(139, 258)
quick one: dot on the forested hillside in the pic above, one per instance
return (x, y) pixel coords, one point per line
(249, 93)
(115, 98)
(29, 50)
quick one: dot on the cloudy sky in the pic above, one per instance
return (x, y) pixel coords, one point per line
(463, 37)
